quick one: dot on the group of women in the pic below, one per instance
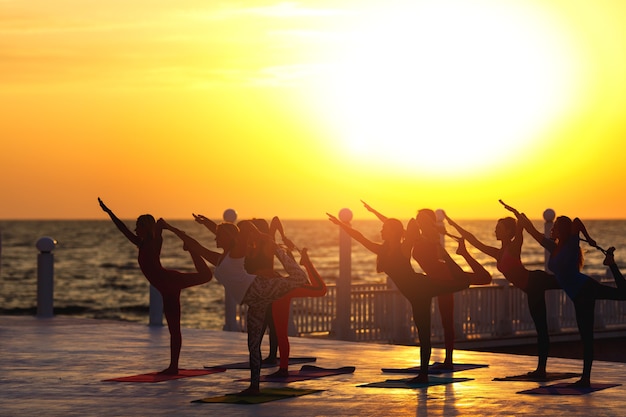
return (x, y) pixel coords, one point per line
(442, 276)
(246, 269)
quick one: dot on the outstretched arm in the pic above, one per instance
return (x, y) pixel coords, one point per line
(376, 213)
(489, 250)
(356, 235)
(525, 222)
(481, 276)
(277, 226)
(190, 243)
(317, 283)
(208, 223)
(579, 227)
(120, 224)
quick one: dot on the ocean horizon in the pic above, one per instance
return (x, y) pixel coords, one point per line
(96, 273)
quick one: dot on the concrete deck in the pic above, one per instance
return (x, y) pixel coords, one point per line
(55, 367)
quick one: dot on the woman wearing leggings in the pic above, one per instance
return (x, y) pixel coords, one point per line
(566, 262)
(281, 307)
(394, 259)
(256, 291)
(534, 283)
(169, 283)
(435, 262)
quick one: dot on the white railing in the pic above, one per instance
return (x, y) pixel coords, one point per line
(381, 314)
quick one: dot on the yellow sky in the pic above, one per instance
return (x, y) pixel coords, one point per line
(299, 108)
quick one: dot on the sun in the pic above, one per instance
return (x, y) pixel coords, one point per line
(449, 85)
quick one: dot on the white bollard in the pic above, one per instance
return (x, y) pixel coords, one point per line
(230, 305)
(552, 297)
(45, 277)
(156, 308)
(548, 216)
(344, 285)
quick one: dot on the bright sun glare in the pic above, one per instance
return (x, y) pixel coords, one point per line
(441, 84)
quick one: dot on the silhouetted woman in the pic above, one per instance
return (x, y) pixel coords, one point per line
(256, 291)
(393, 257)
(566, 262)
(435, 262)
(281, 307)
(168, 282)
(510, 233)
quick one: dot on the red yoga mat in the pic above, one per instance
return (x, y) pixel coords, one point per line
(157, 377)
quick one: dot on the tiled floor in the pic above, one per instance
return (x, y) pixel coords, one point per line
(56, 367)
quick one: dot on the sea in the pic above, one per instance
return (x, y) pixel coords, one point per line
(96, 273)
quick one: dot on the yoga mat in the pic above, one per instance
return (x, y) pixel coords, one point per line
(157, 377)
(458, 367)
(566, 389)
(266, 395)
(246, 365)
(550, 376)
(306, 372)
(403, 383)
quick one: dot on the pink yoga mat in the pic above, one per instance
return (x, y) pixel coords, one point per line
(157, 377)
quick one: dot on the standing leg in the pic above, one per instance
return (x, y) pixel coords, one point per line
(280, 309)
(255, 319)
(421, 318)
(538, 282)
(584, 304)
(538, 312)
(269, 323)
(171, 309)
(446, 311)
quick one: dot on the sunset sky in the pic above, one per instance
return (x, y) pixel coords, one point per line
(300, 108)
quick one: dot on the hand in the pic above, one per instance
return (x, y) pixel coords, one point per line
(199, 218)
(333, 219)
(509, 208)
(103, 206)
(367, 206)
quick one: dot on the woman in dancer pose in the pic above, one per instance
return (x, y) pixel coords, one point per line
(510, 232)
(259, 260)
(256, 291)
(431, 257)
(149, 240)
(281, 307)
(394, 259)
(566, 263)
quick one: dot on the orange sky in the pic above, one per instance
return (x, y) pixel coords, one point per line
(299, 108)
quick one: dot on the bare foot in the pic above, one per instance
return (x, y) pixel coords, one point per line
(537, 374)
(609, 259)
(172, 370)
(249, 392)
(581, 383)
(419, 379)
(270, 360)
(445, 366)
(304, 256)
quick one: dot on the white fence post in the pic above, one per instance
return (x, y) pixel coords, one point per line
(552, 297)
(230, 305)
(156, 308)
(45, 277)
(342, 328)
